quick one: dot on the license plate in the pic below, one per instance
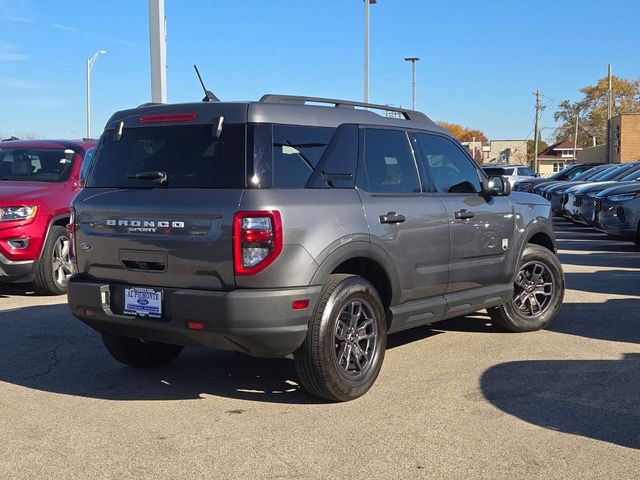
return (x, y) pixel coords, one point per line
(143, 302)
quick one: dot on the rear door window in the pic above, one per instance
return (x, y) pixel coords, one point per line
(389, 166)
(190, 156)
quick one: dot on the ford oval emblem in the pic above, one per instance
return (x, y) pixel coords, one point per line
(143, 301)
(86, 246)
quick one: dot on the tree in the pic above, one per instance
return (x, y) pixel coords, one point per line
(531, 147)
(464, 134)
(592, 109)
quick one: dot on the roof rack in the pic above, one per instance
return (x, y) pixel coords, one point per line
(301, 100)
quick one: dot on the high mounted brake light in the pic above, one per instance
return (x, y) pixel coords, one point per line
(174, 117)
(257, 240)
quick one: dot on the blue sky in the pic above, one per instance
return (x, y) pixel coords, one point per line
(481, 61)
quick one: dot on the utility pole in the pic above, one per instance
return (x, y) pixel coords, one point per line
(536, 132)
(158, 50)
(609, 99)
(413, 61)
(575, 138)
(367, 4)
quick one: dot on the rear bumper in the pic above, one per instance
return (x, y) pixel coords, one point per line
(13, 271)
(258, 322)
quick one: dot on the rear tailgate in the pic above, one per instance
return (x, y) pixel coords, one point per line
(160, 197)
(157, 237)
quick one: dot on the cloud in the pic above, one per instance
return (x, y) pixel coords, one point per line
(120, 41)
(9, 52)
(65, 28)
(13, 19)
(18, 84)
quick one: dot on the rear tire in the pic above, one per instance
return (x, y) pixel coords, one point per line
(344, 349)
(54, 264)
(140, 353)
(538, 292)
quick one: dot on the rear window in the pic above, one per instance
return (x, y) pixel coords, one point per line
(525, 172)
(189, 155)
(36, 164)
(493, 171)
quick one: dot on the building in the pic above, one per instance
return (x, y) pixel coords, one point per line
(625, 138)
(500, 151)
(555, 157)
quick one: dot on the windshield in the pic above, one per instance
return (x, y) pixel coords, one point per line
(605, 174)
(36, 164)
(635, 175)
(183, 156)
(624, 172)
(618, 172)
(591, 173)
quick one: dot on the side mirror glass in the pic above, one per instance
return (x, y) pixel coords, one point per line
(498, 186)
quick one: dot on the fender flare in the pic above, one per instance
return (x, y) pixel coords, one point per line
(359, 249)
(532, 229)
(53, 220)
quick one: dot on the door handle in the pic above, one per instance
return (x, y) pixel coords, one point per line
(392, 217)
(463, 214)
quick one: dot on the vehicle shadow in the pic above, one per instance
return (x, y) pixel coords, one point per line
(591, 398)
(616, 320)
(17, 290)
(597, 259)
(613, 282)
(46, 348)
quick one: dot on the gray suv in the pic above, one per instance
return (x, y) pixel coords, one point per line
(286, 226)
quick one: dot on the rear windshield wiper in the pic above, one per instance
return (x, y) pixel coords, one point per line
(160, 177)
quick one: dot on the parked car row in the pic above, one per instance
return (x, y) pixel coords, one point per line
(605, 196)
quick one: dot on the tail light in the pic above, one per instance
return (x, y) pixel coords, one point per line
(257, 240)
(71, 230)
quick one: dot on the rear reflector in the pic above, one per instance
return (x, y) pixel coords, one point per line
(300, 304)
(89, 313)
(195, 325)
(175, 117)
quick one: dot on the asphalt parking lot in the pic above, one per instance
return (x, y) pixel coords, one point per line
(459, 400)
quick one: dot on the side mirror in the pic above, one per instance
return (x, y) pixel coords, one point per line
(498, 186)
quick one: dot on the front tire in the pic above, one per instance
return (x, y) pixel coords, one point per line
(538, 292)
(54, 264)
(139, 353)
(347, 337)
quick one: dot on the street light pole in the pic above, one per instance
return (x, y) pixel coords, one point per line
(413, 61)
(90, 63)
(367, 3)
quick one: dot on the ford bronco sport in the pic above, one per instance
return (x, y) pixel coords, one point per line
(284, 227)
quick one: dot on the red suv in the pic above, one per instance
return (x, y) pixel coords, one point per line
(38, 179)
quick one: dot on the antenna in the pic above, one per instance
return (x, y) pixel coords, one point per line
(208, 95)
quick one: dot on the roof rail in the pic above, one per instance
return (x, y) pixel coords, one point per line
(301, 100)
